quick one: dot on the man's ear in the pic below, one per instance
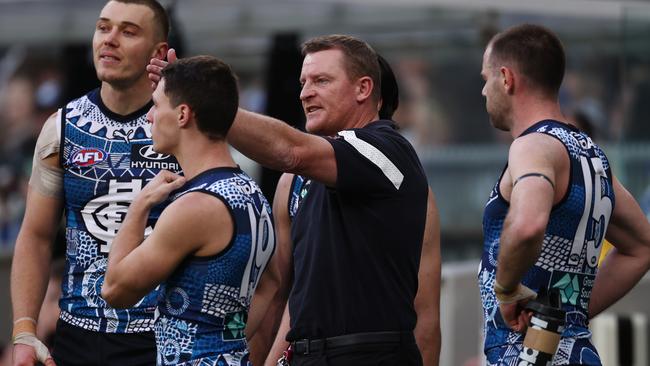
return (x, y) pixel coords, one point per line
(160, 50)
(365, 85)
(184, 115)
(508, 79)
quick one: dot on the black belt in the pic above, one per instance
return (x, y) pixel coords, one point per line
(307, 346)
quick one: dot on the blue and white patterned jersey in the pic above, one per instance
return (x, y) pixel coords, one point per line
(201, 314)
(107, 159)
(569, 258)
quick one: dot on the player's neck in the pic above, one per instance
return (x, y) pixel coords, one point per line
(531, 111)
(198, 156)
(124, 101)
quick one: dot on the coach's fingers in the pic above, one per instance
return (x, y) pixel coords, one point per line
(154, 70)
(154, 77)
(50, 362)
(160, 64)
(156, 66)
(171, 55)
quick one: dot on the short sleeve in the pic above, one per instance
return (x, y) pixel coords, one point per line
(369, 161)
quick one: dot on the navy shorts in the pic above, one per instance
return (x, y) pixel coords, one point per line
(74, 346)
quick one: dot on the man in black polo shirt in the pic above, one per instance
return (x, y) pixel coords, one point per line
(291, 191)
(358, 238)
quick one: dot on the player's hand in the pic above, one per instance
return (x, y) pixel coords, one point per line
(160, 187)
(512, 305)
(24, 355)
(515, 315)
(156, 65)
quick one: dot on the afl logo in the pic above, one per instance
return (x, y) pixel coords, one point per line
(148, 152)
(88, 157)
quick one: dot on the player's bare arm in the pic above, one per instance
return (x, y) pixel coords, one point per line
(33, 249)
(427, 299)
(136, 266)
(534, 165)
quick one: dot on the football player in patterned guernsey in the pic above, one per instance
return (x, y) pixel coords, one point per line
(213, 242)
(548, 213)
(92, 157)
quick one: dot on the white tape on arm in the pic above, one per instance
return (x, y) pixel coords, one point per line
(508, 297)
(29, 339)
(47, 178)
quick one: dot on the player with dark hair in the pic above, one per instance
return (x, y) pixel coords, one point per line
(213, 242)
(555, 202)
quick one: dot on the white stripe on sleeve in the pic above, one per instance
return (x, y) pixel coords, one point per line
(377, 157)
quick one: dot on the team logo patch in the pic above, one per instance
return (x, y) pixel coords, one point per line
(145, 157)
(88, 156)
(234, 325)
(148, 152)
(574, 288)
(569, 289)
(104, 214)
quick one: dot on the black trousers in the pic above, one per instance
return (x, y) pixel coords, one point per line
(74, 346)
(376, 354)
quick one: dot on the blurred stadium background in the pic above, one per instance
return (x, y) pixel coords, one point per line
(435, 48)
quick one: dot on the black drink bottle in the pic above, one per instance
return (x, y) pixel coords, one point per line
(544, 331)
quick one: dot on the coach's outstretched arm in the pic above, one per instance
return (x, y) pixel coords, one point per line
(629, 260)
(275, 144)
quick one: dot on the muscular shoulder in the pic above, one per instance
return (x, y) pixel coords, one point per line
(540, 154)
(538, 145)
(192, 208)
(49, 139)
(195, 217)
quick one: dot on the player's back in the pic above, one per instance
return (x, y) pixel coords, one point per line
(203, 310)
(572, 241)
